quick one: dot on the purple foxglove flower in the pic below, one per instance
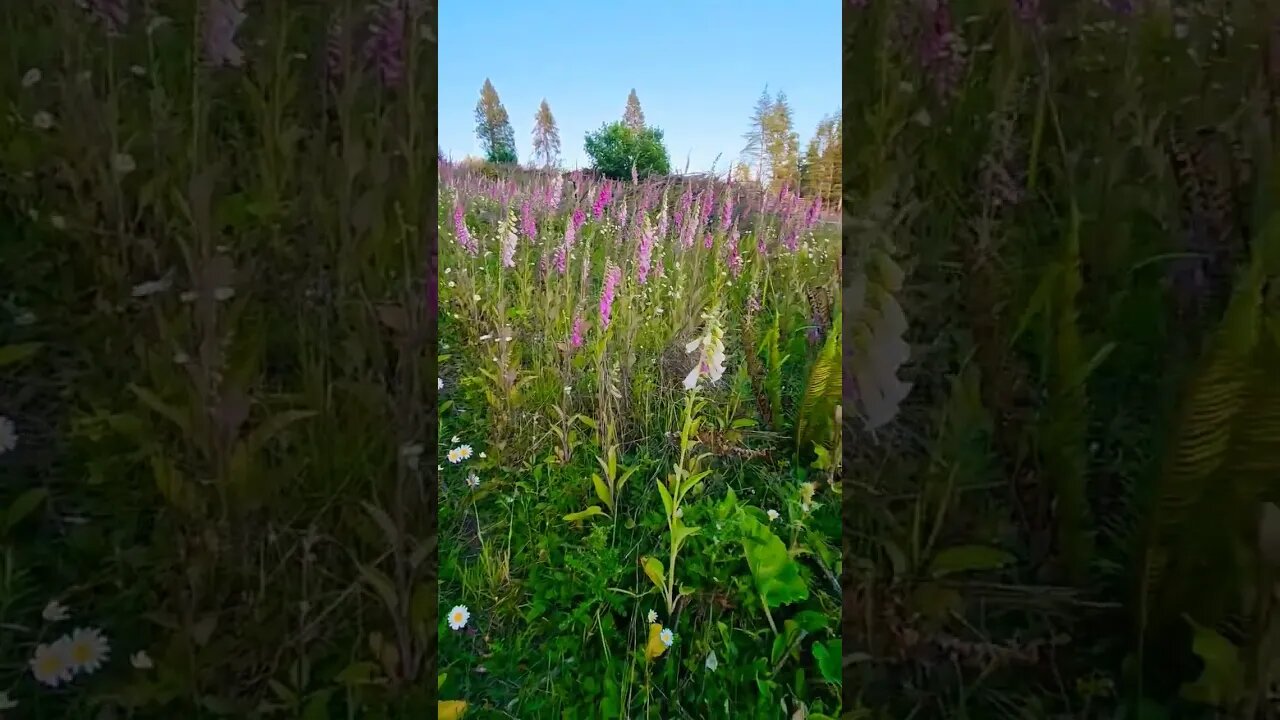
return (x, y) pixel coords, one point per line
(460, 228)
(528, 225)
(575, 340)
(597, 210)
(222, 21)
(662, 224)
(644, 254)
(579, 217)
(726, 211)
(612, 276)
(708, 240)
(112, 15)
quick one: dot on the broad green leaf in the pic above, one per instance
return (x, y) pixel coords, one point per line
(776, 574)
(602, 490)
(743, 423)
(381, 584)
(666, 499)
(680, 532)
(965, 558)
(1221, 683)
(14, 354)
(653, 568)
(317, 707)
(153, 401)
(584, 514)
(357, 673)
(274, 425)
(654, 648)
(24, 505)
(588, 422)
(828, 660)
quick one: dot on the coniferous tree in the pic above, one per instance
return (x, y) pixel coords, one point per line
(781, 145)
(754, 152)
(546, 137)
(493, 127)
(633, 116)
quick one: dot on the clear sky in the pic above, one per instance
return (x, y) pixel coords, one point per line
(698, 67)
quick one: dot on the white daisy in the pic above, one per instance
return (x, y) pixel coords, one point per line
(89, 649)
(141, 660)
(458, 617)
(8, 435)
(464, 452)
(454, 440)
(773, 514)
(51, 664)
(667, 637)
(454, 456)
(439, 383)
(54, 612)
(482, 455)
(31, 77)
(652, 617)
(473, 481)
(42, 120)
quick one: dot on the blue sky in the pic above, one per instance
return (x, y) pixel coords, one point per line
(698, 67)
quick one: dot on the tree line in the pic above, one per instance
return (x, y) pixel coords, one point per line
(630, 146)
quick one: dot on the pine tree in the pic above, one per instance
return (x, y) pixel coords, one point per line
(742, 172)
(781, 145)
(633, 116)
(493, 127)
(546, 136)
(754, 151)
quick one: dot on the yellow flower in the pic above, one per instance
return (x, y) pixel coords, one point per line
(655, 647)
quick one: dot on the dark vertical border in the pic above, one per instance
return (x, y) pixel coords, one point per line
(429, 89)
(850, 16)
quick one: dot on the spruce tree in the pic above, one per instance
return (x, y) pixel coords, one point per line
(633, 116)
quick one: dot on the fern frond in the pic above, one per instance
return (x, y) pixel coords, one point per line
(821, 392)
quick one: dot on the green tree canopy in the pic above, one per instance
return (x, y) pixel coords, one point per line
(615, 148)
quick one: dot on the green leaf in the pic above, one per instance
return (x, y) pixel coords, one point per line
(602, 491)
(275, 425)
(680, 532)
(828, 657)
(14, 354)
(653, 568)
(588, 422)
(666, 498)
(743, 423)
(381, 584)
(24, 505)
(776, 573)
(153, 401)
(1221, 683)
(360, 673)
(317, 707)
(584, 514)
(964, 558)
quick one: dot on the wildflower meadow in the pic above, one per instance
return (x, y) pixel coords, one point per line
(639, 488)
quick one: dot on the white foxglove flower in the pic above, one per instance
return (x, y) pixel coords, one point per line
(141, 660)
(54, 612)
(8, 435)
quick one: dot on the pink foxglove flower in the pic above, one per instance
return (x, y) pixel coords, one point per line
(644, 253)
(612, 276)
(575, 340)
(112, 15)
(726, 210)
(222, 21)
(528, 225)
(735, 258)
(464, 234)
(385, 46)
(602, 200)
